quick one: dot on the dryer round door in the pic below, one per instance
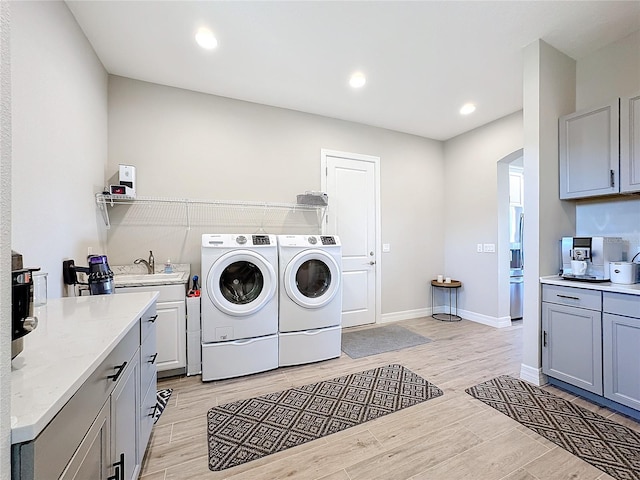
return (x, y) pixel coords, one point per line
(241, 282)
(312, 278)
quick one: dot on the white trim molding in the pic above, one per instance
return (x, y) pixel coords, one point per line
(532, 375)
(404, 315)
(496, 322)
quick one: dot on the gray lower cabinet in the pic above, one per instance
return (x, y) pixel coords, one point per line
(125, 422)
(92, 458)
(571, 347)
(100, 434)
(621, 341)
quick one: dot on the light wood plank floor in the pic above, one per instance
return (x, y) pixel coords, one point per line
(450, 437)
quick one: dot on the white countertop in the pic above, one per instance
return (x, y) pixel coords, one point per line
(73, 337)
(633, 289)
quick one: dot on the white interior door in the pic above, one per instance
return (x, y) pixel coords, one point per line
(352, 183)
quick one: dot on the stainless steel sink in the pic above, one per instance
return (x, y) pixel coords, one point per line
(133, 279)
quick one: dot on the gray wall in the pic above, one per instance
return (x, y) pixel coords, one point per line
(549, 92)
(59, 103)
(5, 241)
(186, 144)
(471, 199)
(613, 71)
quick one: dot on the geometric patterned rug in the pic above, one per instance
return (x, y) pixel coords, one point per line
(249, 429)
(162, 398)
(607, 445)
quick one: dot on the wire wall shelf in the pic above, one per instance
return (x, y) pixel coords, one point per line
(188, 213)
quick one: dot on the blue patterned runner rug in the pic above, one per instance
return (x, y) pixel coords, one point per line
(250, 429)
(607, 445)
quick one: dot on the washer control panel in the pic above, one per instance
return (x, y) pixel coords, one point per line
(261, 240)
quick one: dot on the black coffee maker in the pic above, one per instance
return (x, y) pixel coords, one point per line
(22, 319)
(99, 275)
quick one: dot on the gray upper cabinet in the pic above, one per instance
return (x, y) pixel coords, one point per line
(630, 144)
(589, 152)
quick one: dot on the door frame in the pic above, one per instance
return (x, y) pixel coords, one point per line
(503, 236)
(324, 153)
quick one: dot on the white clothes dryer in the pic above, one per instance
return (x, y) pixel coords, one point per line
(239, 305)
(310, 307)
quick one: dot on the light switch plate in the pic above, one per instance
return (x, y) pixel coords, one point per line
(386, 247)
(489, 247)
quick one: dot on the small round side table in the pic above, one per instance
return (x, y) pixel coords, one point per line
(452, 316)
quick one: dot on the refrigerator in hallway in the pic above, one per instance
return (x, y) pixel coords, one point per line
(516, 266)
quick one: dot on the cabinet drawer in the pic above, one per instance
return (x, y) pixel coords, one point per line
(621, 304)
(147, 410)
(148, 360)
(147, 322)
(575, 297)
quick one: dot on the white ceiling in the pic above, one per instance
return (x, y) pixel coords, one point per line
(422, 59)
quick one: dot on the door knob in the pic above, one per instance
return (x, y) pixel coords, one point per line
(372, 263)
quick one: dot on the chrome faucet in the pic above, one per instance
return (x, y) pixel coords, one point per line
(150, 264)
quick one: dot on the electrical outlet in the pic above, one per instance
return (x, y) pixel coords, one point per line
(479, 248)
(489, 247)
(89, 250)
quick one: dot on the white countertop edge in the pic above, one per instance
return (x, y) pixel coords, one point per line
(633, 289)
(27, 427)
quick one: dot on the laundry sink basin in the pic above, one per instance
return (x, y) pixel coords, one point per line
(145, 279)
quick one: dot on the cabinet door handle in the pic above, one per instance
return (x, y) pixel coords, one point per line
(567, 296)
(153, 358)
(153, 319)
(119, 473)
(119, 369)
(613, 182)
(544, 338)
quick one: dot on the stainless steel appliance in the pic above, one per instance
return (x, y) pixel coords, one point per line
(99, 275)
(592, 255)
(22, 319)
(516, 266)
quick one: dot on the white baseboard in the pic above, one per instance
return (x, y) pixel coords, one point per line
(532, 375)
(496, 322)
(404, 315)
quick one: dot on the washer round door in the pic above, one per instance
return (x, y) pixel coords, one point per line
(312, 278)
(241, 282)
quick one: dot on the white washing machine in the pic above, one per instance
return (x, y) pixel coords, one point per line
(239, 305)
(310, 310)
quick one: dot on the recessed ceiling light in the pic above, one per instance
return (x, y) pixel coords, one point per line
(467, 108)
(357, 80)
(205, 39)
